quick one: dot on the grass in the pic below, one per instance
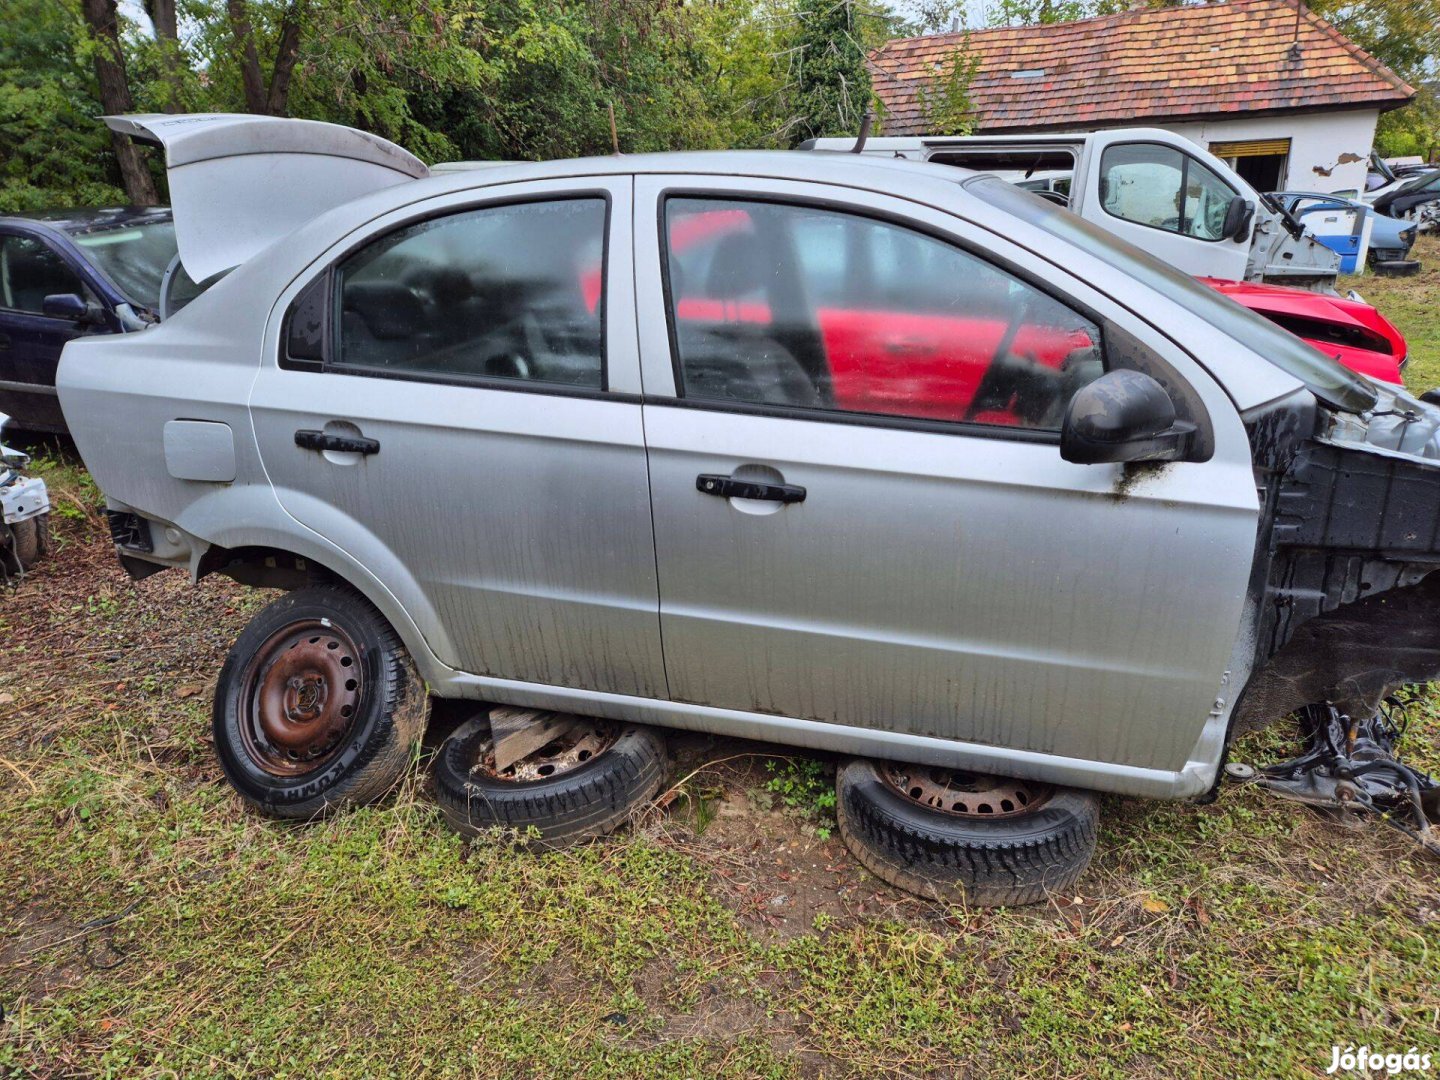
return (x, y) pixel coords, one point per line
(1413, 305)
(150, 927)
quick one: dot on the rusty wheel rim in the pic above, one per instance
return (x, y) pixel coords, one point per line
(581, 744)
(302, 697)
(965, 794)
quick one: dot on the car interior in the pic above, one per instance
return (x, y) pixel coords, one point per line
(784, 305)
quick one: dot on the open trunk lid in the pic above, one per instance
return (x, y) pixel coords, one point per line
(240, 182)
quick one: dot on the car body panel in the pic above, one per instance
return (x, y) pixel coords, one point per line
(240, 182)
(914, 585)
(1357, 334)
(969, 660)
(1389, 238)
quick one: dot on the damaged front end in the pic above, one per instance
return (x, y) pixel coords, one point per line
(1349, 769)
(1347, 606)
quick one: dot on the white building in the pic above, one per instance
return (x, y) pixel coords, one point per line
(1268, 85)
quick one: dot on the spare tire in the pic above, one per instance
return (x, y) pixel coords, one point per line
(954, 836)
(1396, 267)
(585, 785)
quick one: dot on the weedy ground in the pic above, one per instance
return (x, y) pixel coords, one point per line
(1413, 305)
(150, 927)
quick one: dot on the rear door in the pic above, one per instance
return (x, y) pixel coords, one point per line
(30, 341)
(843, 536)
(1162, 197)
(457, 407)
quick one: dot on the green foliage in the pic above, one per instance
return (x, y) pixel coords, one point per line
(1405, 36)
(832, 82)
(807, 786)
(945, 96)
(52, 151)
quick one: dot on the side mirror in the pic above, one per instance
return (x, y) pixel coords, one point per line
(1237, 219)
(1123, 416)
(72, 306)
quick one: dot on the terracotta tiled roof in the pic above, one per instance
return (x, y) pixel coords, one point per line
(1202, 60)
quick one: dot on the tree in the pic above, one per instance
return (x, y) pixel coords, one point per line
(52, 152)
(944, 97)
(108, 57)
(1405, 36)
(830, 75)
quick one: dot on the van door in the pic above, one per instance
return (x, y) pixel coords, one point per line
(1156, 191)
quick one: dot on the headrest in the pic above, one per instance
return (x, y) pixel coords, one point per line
(735, 268)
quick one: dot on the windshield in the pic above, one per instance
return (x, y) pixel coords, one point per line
(134, 257)
(1329, 381)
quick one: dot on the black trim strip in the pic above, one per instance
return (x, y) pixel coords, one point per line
(482, 382)
(859, 419)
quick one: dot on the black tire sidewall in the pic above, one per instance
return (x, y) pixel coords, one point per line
(26, 537)
(303, 796)
(603, 789)
(983, 855)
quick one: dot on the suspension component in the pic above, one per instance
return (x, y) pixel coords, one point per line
(1349, 768)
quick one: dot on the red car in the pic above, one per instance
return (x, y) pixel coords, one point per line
(1351, 331)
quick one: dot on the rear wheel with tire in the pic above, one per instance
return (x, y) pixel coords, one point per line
(951, 835)
(583, 785)
(317, 706)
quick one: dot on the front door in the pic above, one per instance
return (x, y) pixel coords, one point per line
(30, 340)
(861, 513)
(1165, 200)
(451, 411)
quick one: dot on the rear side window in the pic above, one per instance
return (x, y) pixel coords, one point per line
(778, 304)
(31, 270)
(1159, 186)
(503, 292)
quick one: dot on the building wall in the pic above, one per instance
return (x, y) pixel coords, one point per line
(1317, 141)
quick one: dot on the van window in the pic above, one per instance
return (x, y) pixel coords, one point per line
(1159, 186)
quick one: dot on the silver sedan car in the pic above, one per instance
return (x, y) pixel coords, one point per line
(879, 458)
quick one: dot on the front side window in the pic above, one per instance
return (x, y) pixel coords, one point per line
(1155, 185)
(502, 292)
(777, 304)
(31, 270)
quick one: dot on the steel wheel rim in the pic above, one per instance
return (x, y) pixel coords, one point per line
(301, 698)
(964, 794)
(580, 745)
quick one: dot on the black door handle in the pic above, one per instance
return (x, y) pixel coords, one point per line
(4, 341)
(726, 487)
(308, 439)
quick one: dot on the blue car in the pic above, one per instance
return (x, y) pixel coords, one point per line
(68, 273)
(1390, 240)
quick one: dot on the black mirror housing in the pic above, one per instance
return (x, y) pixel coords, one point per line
(1123, 416)
(1237, 219)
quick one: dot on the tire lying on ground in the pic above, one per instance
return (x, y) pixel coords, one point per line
(31, 539)
(583, 785)
(317, 706)
(952, 836)
(1396, 267)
